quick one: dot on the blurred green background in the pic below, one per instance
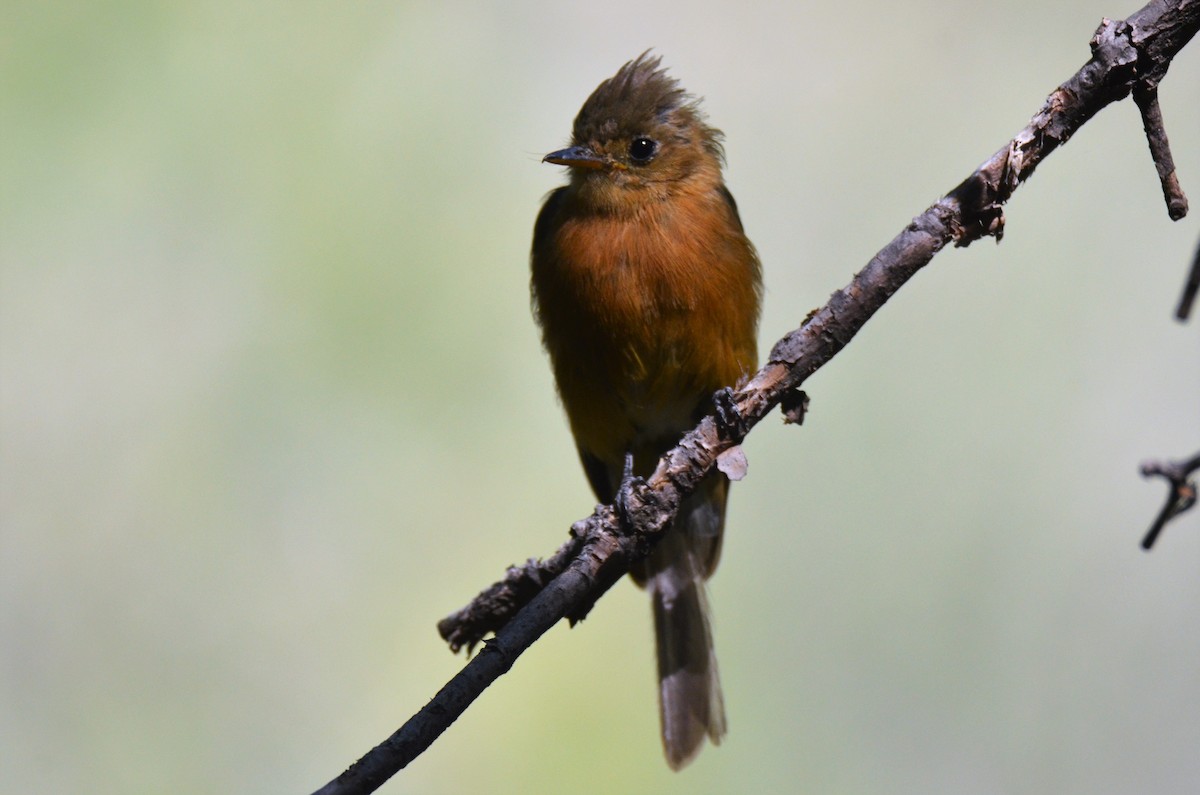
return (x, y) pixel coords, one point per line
(272, 403)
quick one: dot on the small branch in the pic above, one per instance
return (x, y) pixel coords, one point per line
(1181, 497)
(603, 544)
(1190, 288)
(543, 611)
(974, 209)
(489, 611)
(1146, 97)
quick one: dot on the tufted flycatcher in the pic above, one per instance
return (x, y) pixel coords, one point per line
(647, 292)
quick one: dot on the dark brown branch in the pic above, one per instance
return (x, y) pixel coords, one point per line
(1180, 498)
(489, 611)
(972, 210)
(1190, 287)
(1140, 48)
(1146, 97)
(574, 585)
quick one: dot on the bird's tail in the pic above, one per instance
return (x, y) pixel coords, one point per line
(690, 702)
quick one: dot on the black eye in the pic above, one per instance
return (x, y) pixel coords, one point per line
(641, 149)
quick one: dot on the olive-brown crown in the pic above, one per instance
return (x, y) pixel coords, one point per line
(642, 106)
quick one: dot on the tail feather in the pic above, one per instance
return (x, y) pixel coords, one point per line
(690, 702)
(689, 692)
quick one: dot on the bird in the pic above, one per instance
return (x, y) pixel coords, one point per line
(647, 292)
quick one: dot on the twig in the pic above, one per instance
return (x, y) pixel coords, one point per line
(1180, 498)
(972, 210)
(497, 656)
(1190, 287)
(489, 611)
(1122, 52)
(1146, 97)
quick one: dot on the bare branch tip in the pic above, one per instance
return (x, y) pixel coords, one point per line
(794, 406)
(1191, 286)
(1180, 498)
(1145, 96)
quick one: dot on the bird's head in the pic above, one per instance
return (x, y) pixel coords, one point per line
(640, 137)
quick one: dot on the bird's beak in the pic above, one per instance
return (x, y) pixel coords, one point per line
(577, 157)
